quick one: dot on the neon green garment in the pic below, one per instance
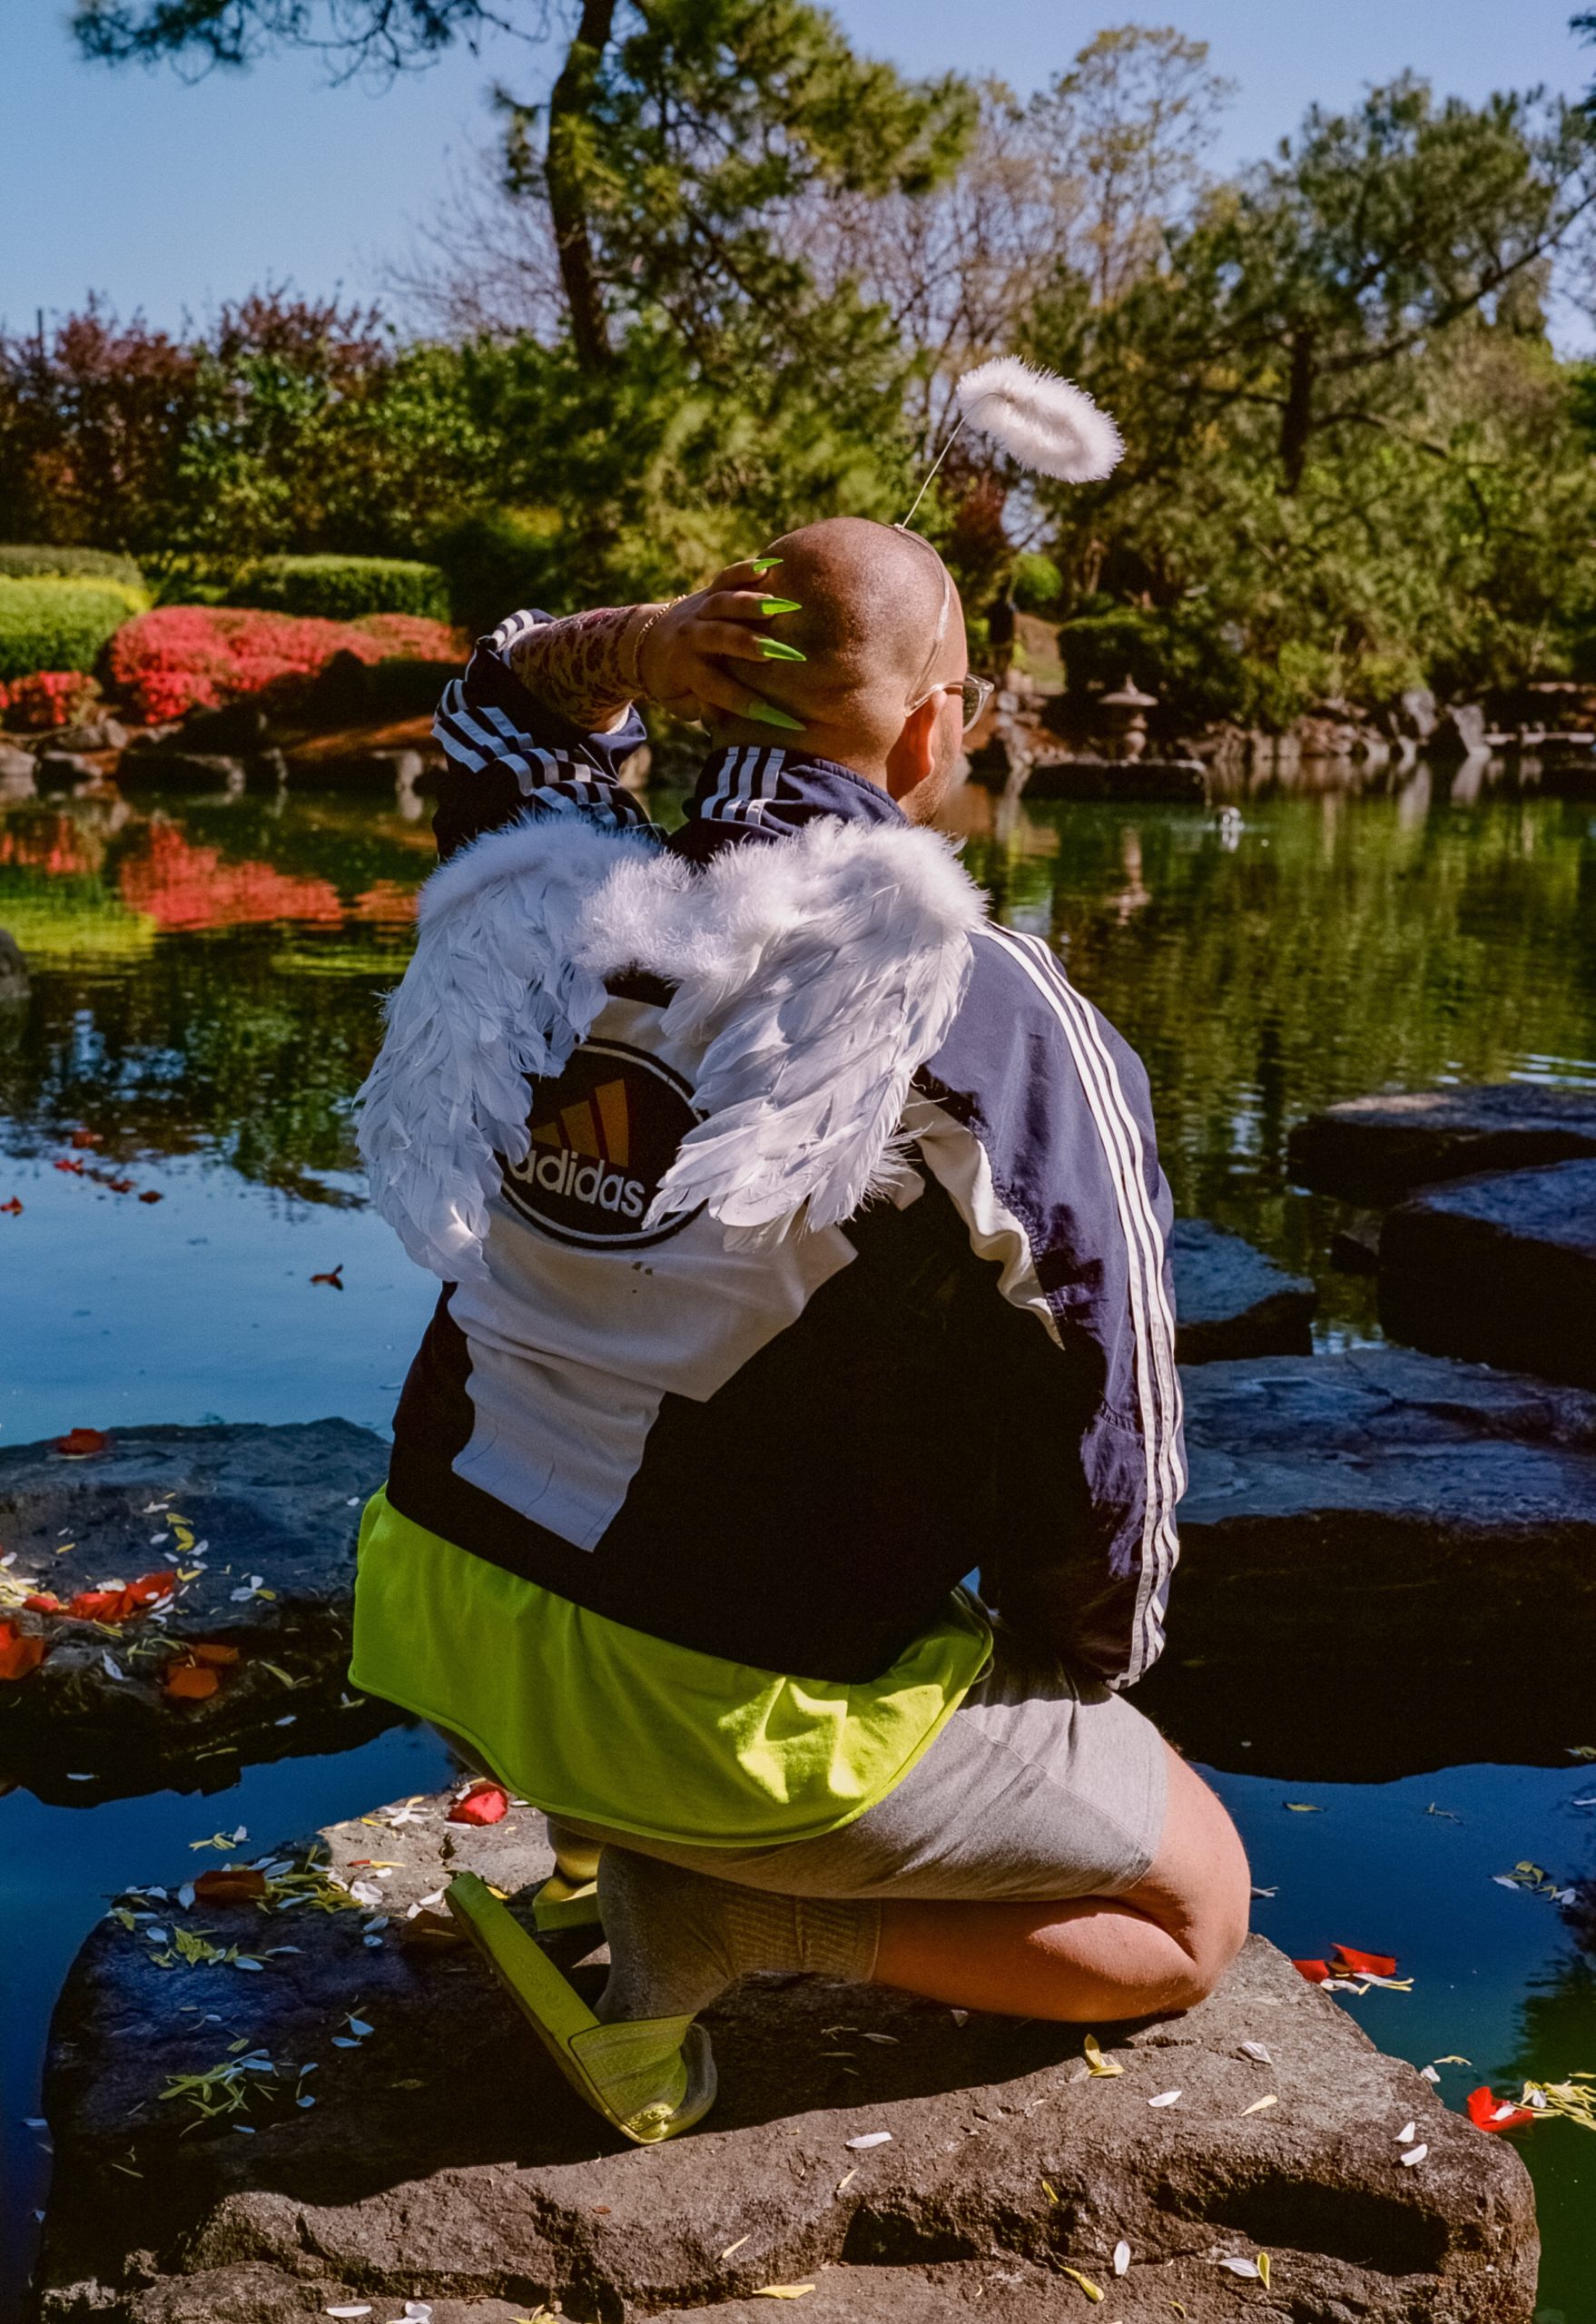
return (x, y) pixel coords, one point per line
(592, 1720)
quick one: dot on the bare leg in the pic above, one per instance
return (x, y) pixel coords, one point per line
(1161, 1945)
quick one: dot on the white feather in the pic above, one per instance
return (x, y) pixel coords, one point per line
(1044, 422)
(813, 974)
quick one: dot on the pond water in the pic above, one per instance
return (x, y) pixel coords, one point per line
(202, 1007)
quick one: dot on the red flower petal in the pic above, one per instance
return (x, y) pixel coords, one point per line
(485, 1803)
(1489, 2113)
(1315, 1971)
(217, 1654)
(83, 1444)
(42, 1602)
(11, 1209)
(232, 1885)
(96, 1606)
(147, 1589)
(68, 1164)
(86, 1138)
(20, 1651)
(188, 1682)
(1366, 1965)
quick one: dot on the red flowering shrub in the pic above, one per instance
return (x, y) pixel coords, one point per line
(49, 698)
(187, 657)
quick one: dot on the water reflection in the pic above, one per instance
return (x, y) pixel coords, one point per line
(204, 971)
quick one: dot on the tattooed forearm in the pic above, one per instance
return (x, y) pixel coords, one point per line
(584, 666)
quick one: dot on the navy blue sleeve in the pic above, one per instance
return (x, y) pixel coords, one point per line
(1040, 1125)
(509, 755)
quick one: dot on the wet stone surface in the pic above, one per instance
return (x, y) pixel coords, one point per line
(247, 1537)
(444, 2162)
(1388, 1564)
(1231, 1301)
(1502, 1269)
(1382, 1147)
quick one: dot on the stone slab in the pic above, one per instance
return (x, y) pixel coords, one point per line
(1388, 1564)
(280, 1504)
(1231, 1301)
(1382, 1146)
(1500, 1269)
(444, 2161)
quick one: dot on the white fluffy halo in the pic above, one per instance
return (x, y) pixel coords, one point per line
(1044, 422)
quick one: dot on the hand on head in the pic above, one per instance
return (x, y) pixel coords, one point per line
(692, 655)
(859, 638)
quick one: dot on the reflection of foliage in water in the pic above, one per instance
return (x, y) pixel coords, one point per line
(1342, 944)
(1339, 944)
(222, 1038)
(1558, 2030)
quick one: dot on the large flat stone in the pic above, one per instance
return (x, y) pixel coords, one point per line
(1388, 1564)
(282, 1505)
(1380, 1147)
(445, 2161)
(1231, 1301)
(1501, 1269)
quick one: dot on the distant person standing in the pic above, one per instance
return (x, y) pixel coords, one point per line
(1001, 620)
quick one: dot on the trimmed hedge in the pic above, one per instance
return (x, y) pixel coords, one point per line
(60, 625)
(342, 588)
(26, 561)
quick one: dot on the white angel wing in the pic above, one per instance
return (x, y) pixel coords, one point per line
(495, 990)
(845, 955)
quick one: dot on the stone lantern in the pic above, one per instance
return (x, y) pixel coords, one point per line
(1127, 712)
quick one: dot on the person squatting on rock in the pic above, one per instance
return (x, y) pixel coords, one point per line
(802, 1243)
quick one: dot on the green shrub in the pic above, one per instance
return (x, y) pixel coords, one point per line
(498, 561)
(60, 625)
(342, 588)
(27, 562)
(1038, 584)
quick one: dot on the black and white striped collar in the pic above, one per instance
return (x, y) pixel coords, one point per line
(766, 789)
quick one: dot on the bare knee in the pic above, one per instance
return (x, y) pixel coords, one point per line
(1199, 1888)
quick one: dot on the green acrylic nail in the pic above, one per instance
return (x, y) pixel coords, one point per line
(763, 564)
(774, 651)
(768, 605)
(768, 715)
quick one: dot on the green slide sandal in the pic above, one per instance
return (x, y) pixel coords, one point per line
(562, 1904)
(652, 2078)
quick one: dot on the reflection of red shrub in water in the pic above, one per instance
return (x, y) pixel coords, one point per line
(181, 885)
(52, 843)
(186, 657)
(49, 698)
(387, 905)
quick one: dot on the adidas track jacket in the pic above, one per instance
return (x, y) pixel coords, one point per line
(788, 1452)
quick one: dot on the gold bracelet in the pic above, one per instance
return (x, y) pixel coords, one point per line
(648, 623)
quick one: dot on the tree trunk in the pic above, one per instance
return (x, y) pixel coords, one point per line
(1296, 421)
(569, 106)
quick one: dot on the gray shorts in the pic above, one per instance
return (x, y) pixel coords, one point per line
(1040, 1787)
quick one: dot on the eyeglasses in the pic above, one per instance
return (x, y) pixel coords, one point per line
(974, 693)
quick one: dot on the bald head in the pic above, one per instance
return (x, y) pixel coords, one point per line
(880, 624)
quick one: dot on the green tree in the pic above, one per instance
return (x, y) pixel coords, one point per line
(1352, 457)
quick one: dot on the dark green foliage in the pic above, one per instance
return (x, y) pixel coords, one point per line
(59, 625)
(386, 36)
(499, 560)
(342, 588)
(30, 562)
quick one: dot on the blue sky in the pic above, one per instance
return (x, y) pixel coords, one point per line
(168, 197)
